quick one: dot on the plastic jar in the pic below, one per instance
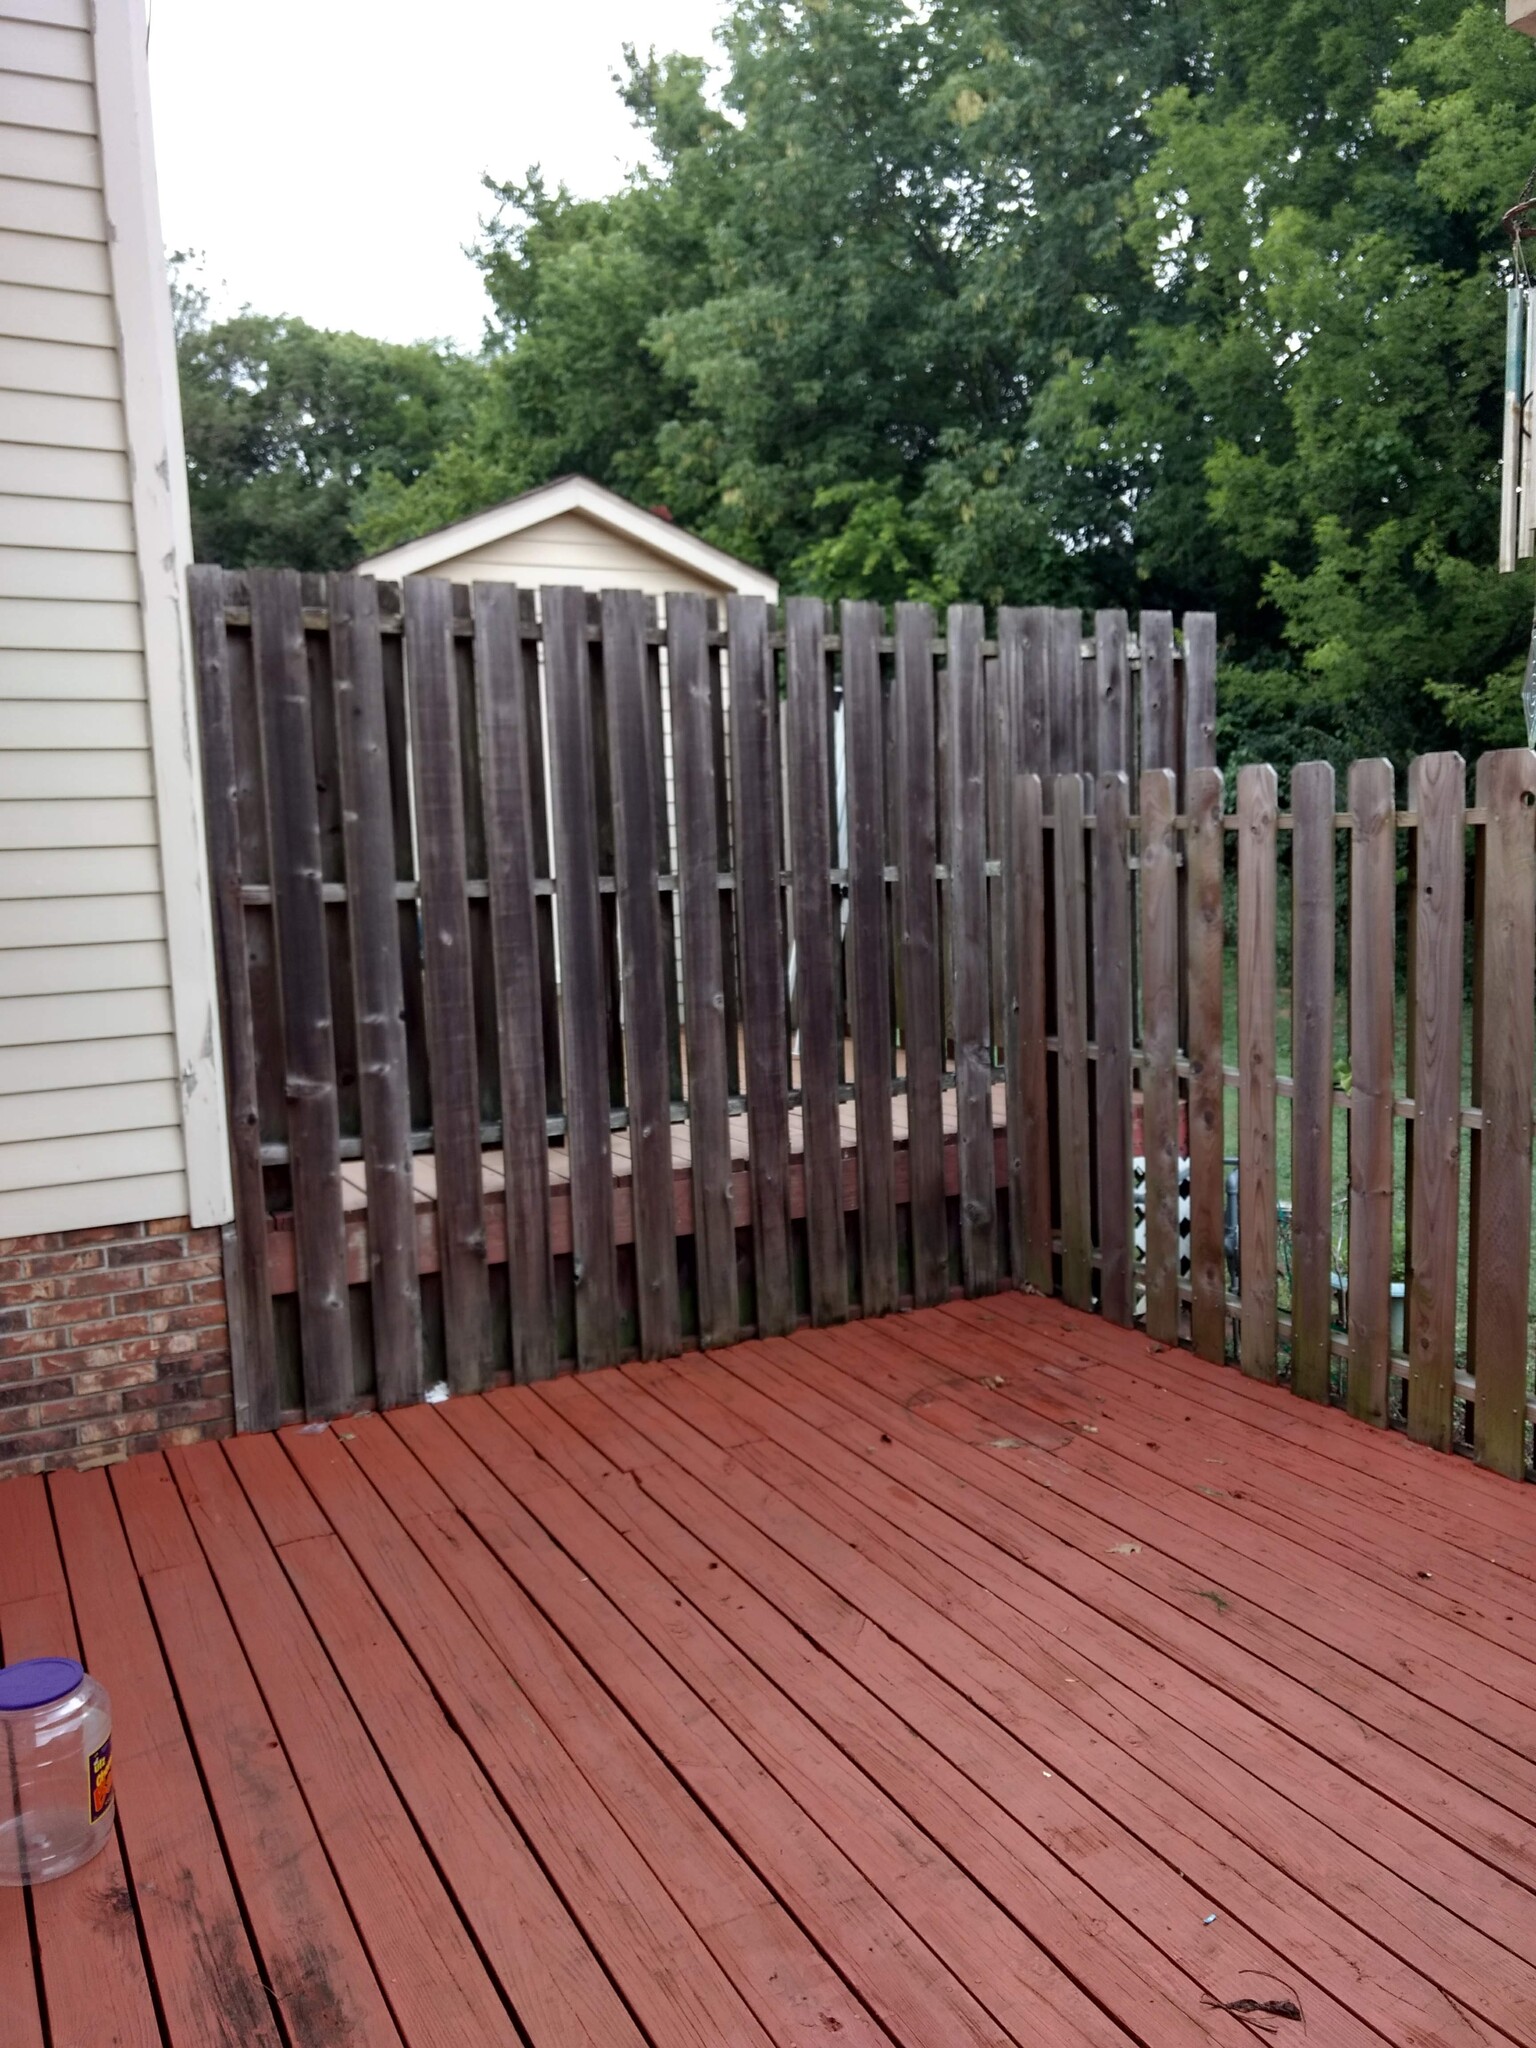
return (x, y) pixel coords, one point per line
(55, 1769)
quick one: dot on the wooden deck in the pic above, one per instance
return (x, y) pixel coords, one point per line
(981, 1676)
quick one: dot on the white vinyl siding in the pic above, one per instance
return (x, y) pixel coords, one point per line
(90, 1112)
(571, 548)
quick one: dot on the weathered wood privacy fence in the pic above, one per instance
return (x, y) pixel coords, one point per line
(506, 896)
(540, 1054)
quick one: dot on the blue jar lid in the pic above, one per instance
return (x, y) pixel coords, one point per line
(38, 1682)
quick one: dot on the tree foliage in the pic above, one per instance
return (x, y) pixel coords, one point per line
(1034, 300)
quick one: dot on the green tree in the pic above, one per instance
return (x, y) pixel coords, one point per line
(286, 425)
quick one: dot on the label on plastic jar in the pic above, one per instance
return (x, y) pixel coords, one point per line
(99, 1770)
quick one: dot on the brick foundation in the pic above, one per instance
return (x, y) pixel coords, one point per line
(111, 1341)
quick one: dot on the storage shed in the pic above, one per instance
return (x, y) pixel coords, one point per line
(574, 531)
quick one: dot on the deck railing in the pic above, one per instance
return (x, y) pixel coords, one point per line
(538, 1055)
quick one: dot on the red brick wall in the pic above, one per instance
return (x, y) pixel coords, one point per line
(111, 1341)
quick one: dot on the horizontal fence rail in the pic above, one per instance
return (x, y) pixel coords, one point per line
(602, 978)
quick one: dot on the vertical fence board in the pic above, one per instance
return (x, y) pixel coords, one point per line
(1029, 1125)
(507, 680)
(1072, 1135)
(816, 1006)
(1436, 791)
(583, 989)
(644, 963)
(966, 854)
(917, 906)
(1258, 819)
(1160, 1049)
(1024, 650)
(1372, 924)
(1113, 1076)
(1204, 853)
(1199, 693)
(357, 670)
(253, 1362)
(1313, 922)
(436, 757)
(314, 1135)
(1070, 729)
(996, 752)
(1503, 1051)
(1159, 701)
(691, 683)
(1112, 692)
(760, 934)
(870, 1003)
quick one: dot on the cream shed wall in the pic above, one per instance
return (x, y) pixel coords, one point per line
(570, 547)
(111, 1096)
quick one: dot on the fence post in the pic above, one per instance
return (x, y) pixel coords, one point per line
(1372, 925)
(1313, 923)
(1503, 1049)
(1160, 1050)
(1257, 823)
(1437, 792)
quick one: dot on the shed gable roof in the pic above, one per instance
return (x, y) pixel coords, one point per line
(579, 494)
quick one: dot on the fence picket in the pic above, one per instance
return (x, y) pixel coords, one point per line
(1159, 700)
(382, 1060)
(451, 1054)
(253, 1358)
(506, 682)
(1160, 1045)
(1199, 693)
(816, 998)
(1504, 1047)
(1023, 653)
(314, 1135)
(1436, 791)
(1069, 728)
(1313, 926)
(691, 682)
(634, 741)
(583, 993)
(1258, 819)
(912, 708)
(870, 960)
(760, 934)
(1029, 1127)
(1113, 707)
(1372, 922)
(1205, 858)
(1072, 1136)
(967, 899)
(1113, 1072)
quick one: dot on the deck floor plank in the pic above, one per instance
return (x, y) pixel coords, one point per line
(992, 1680)
(983, 1675)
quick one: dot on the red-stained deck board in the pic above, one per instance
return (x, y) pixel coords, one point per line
(985, 1675)
(1016, 1691)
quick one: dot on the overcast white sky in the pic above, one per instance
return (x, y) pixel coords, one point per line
(325, 155)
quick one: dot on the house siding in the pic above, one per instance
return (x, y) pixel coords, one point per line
(90, 1113)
